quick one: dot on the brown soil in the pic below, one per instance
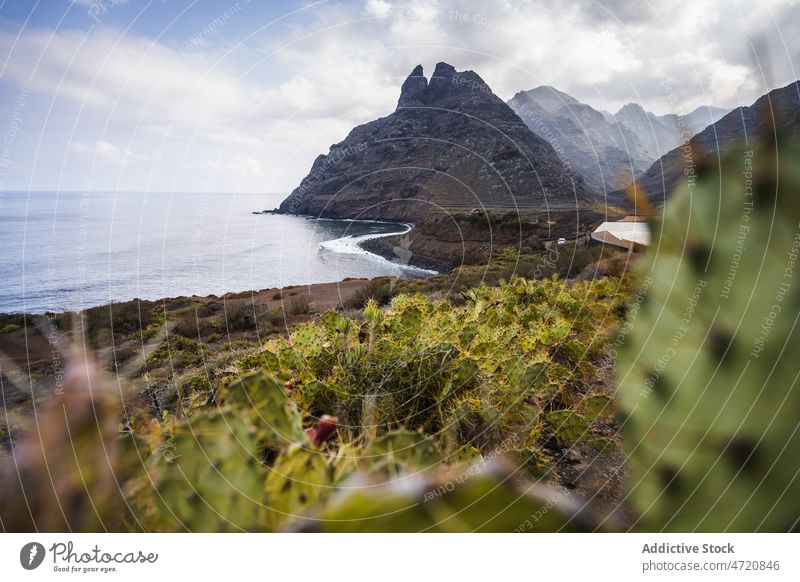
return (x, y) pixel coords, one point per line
(192, 329)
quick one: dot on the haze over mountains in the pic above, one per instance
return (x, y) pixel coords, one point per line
(779, 108)
(609, 150)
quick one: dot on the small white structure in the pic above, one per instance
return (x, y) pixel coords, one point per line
(625, 234)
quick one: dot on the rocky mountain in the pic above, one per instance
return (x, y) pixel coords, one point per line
(655, 137)
(696, 120)
(609, 150)
(608, 154)
(658, 134)
(450, 144)
(548, 98)
(781, 105)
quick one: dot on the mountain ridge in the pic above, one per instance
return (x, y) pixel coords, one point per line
(781, 105)
(609, 150)
(450, 143)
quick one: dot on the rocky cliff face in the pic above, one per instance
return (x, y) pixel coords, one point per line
(606, 153)
(608, 150)
(780, 106)
(452, 145)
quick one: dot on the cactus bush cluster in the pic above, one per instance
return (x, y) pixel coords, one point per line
(414, 392)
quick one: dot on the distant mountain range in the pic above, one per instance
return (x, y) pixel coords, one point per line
(780, 107)
(609, 150)
(450, 144)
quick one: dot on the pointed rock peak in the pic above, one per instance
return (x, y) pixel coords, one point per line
(547, 97)
(443, 71)
(413, 89)
(631, 108)
(445, 84)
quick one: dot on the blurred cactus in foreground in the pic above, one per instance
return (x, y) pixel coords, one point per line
(66, 475)
(707, 377)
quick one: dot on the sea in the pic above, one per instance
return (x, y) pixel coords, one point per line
(63, 251)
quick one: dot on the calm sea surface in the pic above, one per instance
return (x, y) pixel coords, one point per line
(64, 251)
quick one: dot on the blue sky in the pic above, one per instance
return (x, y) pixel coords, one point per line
(242, 96)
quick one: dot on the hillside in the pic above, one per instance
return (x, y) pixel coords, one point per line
(780, 106)
(450, 144)
(605, 152)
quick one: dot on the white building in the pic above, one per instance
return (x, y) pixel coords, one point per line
(628, 235)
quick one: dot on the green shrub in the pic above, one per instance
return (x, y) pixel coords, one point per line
(299, 305)
(379, 289)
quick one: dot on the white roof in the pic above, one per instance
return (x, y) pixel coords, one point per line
(626, 232)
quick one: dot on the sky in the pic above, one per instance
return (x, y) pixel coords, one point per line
(220, 96)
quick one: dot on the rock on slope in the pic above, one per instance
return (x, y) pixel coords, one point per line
(781, 105)
(451, 143)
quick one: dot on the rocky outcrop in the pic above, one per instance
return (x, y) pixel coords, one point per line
(451, 145)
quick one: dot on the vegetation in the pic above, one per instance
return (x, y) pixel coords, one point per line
(706, 362)
(420, 385)
(435, 408)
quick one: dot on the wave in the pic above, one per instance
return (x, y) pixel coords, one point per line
(351, 245)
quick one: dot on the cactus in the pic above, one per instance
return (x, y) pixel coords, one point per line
(480, 498)
(65, 474)
(208, 477)
(300, 478)
(707, 386)
(276, 418)
(401, 451)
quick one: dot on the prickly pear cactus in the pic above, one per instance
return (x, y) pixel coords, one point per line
(66, 473)
(478, 498)
(708, 372)
(209, 477)
(299, 479)
(401, 451)
(277, 419)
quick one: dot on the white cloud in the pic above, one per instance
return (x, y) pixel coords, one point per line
(236, 166)
(378, 7)
(104, 151)
(341, 64)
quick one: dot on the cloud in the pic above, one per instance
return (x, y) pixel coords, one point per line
(606, 52)
(264, 108)
(236, 166)
(378, 7)
(107, 152)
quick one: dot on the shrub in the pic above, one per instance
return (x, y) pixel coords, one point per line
(126, 318)
(379, 289)
(299, 305)
(240, 316)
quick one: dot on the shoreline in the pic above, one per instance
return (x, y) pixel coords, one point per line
(367, 244)
(27, 340)
(382, 246)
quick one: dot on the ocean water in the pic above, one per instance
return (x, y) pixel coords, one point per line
(70, 250)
